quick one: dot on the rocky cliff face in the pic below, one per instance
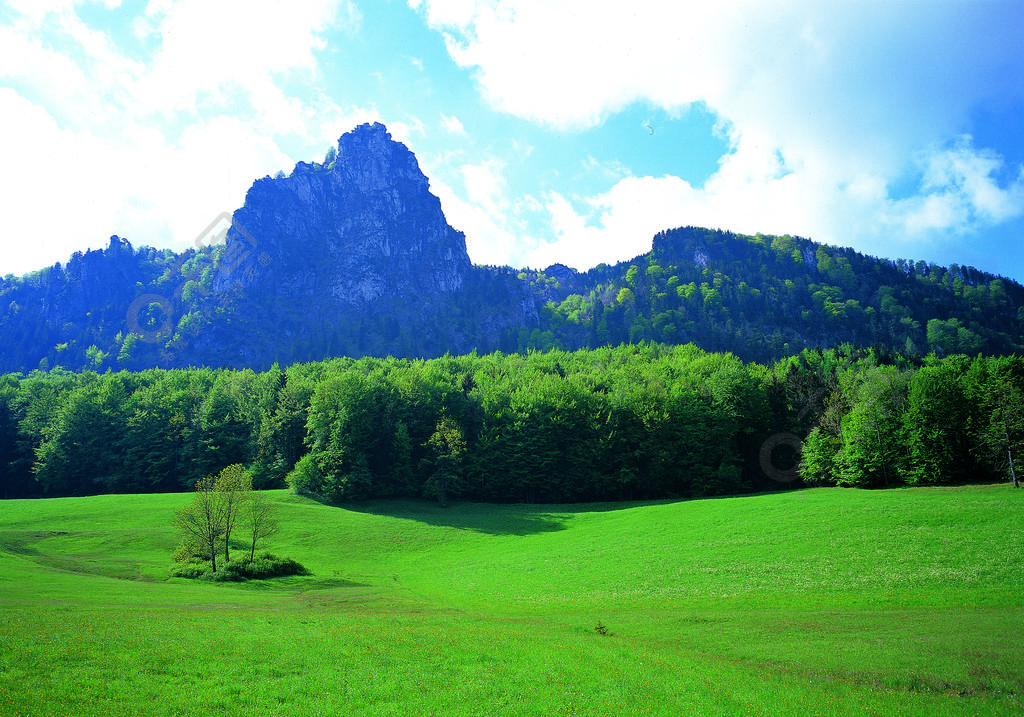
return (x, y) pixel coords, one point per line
(359, 251)
(347, 235)
(351, 257)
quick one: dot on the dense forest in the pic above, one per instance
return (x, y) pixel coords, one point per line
(763, 298)
(759, 297)
(633, 422)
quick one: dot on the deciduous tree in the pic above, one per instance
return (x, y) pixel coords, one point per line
(447, 444)
(259, 517)
(202, 521)
(234, 489)
(1002, 399)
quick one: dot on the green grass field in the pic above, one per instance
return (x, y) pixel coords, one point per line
(817, 602)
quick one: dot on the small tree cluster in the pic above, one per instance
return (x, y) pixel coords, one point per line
(219, 505)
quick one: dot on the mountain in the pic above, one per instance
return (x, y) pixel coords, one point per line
(354, 256)
(361, 229)
(765, 297)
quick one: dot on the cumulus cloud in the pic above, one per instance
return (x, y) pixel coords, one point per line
(452, 124)
(77, 188)
(152, 147)
(211, 50)
(960, 189)
(477, 204)
(827, 106)
(612, 226)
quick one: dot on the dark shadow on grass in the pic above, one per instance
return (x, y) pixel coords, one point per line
(489, 518)
(331, 583)
(476, 517)
(300, 583)
(20, 542)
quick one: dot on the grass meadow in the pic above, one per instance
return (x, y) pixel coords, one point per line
(814, 602)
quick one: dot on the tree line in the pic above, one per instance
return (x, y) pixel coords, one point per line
(759, 297)
(631, 422)
(951, 420)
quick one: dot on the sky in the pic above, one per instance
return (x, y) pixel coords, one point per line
(566, 131)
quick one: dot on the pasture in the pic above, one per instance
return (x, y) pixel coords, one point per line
(823, 601)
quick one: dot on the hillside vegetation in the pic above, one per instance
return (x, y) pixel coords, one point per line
(760, 297)
(767, 297)
(818, 602)
(633, 422)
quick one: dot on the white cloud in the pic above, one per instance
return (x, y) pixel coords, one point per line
(970, 172)
(826, 106)
(959, 191)
(452, 124)
(46, 202)
(485, 185)
(85, 81)
(77, 188)
(614, 226)
(151, 148)
(210, 48)
(754, 191)
(404, 130)
(495, 226)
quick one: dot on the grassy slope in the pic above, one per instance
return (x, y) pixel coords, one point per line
(825, 601)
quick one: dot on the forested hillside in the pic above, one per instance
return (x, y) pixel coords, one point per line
(354, 257)
(760, 297)
(764, 297)
(633, 422)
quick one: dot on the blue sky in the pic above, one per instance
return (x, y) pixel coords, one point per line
(552, 130)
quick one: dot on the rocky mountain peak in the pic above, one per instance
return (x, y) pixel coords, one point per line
(369, 156)
(346, 233)
(374, 140)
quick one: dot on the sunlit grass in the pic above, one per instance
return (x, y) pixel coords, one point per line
(815, 602)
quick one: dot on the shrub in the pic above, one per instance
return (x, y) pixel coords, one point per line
(193, 569)
(306, 478)
(189, 551)
(265, 565)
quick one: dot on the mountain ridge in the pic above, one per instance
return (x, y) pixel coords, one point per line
(354, 256)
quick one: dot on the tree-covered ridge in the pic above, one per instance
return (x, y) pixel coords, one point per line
(113, 308)
(766, 297)
(126, 308)
(883, 425)
(760, 297)
(632, 422)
